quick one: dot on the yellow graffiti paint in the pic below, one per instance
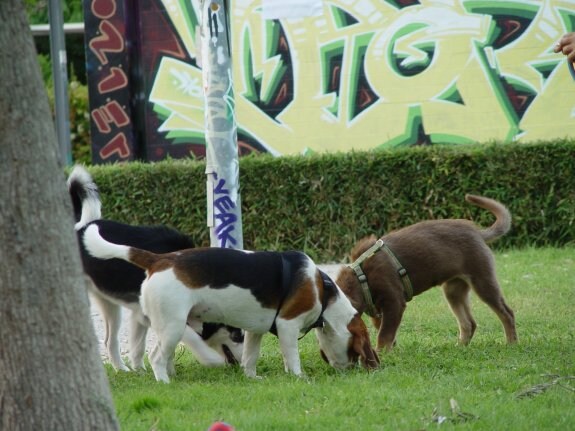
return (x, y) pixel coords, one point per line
(367, 74)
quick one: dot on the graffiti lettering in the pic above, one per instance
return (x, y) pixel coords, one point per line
(365, 74)
(110, 113)
(226, 220)
(404, 73)
(115, 80)
(117, 145)
(224, 204)
(108, 60)
(103, 9)
(110, 41)
(220, 187)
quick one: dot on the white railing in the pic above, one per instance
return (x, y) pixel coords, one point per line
(69, 28)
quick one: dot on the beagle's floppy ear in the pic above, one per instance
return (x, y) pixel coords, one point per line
(368, 358)
(361, 344)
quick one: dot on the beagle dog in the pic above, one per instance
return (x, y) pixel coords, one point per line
(115, 283)
(262, 291)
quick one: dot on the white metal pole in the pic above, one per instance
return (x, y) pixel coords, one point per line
(222, 164)
(60, 77)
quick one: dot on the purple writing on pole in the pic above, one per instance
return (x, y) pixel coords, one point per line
(225, 215)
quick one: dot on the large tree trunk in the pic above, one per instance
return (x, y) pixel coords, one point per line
(51, 375)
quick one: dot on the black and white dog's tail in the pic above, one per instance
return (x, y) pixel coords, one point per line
(85, 197)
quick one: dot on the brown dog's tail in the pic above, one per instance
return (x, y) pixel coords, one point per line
(502, 217)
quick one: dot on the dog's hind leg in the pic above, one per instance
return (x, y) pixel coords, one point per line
(138, 331)
(171, 369)
(168, 322)
(456, 292)
(488, 290)
(167, 303)
(169, 335)
(251, 353)
(112, 318)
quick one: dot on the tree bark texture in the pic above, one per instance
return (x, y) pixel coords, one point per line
(51, 375)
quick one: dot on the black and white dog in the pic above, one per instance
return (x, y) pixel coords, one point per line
(116, 283)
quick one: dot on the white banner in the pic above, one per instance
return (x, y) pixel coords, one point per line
(280, 9)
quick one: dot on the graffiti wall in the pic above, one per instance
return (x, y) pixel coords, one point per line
(108, 67)
(364, 74)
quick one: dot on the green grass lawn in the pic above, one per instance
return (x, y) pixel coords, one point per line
(428, 382)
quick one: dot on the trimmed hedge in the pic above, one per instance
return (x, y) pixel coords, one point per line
(323, 204)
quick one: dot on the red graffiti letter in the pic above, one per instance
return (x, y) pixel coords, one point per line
(118, 145)
(103, 8)
(110, 40)
(115, 80)
(110, 113)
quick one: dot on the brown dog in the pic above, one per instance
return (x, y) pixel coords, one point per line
(451, 253)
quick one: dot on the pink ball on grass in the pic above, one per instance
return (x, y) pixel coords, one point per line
(220, 426)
